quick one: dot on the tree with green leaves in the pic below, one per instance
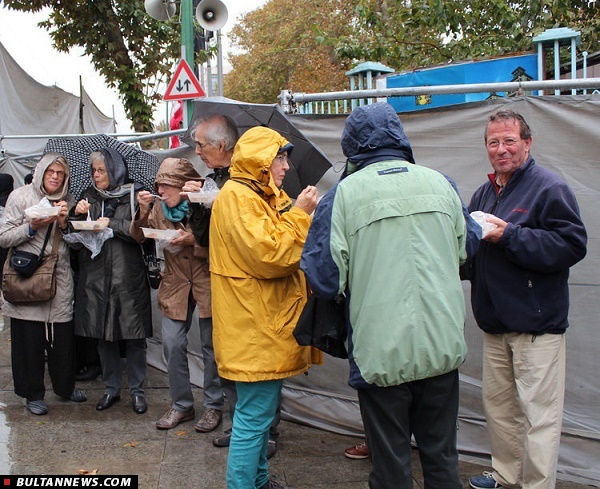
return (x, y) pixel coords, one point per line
(308, 46)
(133, 51)
(411, 34)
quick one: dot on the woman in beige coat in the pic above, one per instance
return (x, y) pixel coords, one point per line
(42, 328)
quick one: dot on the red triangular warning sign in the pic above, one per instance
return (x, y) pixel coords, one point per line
(184, 84)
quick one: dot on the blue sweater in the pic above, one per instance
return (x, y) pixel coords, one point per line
(521, 283)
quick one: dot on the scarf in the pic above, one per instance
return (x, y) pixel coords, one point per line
(177, 213)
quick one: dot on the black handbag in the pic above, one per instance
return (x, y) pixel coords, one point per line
(148, 249)
(322, 324)
(152, 262)
(26, 263)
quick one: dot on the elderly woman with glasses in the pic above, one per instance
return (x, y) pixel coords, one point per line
(40, 329)
(112, 300)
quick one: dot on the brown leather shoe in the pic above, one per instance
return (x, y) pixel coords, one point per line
(173, 417)
(358, 452)
(209, 421)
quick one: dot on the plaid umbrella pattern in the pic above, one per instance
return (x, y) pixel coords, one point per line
(141, 165)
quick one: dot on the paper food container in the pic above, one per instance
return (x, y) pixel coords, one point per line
(202, 197)
(40, 212)
(160, 234)
(89, 225)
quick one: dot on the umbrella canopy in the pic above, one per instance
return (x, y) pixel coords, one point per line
(141, 165)
(308, 163)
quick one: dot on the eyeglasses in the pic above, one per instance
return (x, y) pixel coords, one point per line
(99, 171)
(508, 143)
(281, 157)
(58, 173)
(200, 145)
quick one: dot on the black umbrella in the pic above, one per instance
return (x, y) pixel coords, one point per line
(308, 162)
(141, 165)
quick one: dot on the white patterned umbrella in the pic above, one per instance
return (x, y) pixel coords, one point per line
(141, 165)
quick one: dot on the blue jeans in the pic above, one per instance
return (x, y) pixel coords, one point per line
(254, 412)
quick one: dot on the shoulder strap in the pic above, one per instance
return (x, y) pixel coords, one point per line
(46, 240)
(246, 184)
(132, 202)
(145, 255)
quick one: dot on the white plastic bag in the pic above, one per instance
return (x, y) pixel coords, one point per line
(42, 209)
(481, 218)
(207, 195)
(92, 240)
(164, 244)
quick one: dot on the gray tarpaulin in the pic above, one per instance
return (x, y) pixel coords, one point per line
(566, 139)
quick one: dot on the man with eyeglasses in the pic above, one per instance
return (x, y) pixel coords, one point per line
(520, 299)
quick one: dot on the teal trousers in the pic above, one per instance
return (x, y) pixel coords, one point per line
(254, 412)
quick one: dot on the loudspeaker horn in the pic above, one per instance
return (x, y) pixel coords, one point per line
(160, 9)
(211, 14)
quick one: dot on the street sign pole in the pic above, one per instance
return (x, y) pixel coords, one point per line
(187, 48)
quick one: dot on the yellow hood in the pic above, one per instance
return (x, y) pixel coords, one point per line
(251, 162)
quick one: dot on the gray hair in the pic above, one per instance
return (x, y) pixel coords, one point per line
(218, 128)
(97, 156)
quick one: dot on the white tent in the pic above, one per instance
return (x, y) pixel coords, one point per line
(28, 107)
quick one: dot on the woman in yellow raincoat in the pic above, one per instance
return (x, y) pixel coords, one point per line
(258, 292)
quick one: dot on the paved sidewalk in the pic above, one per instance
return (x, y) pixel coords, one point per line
(117, 441)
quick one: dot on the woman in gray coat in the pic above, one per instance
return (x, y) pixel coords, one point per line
(112, 301)
(42, 329)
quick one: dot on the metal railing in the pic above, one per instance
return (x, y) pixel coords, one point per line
(343, 102)
(331, 102)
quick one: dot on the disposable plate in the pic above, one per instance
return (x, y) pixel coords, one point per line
(89, 225)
